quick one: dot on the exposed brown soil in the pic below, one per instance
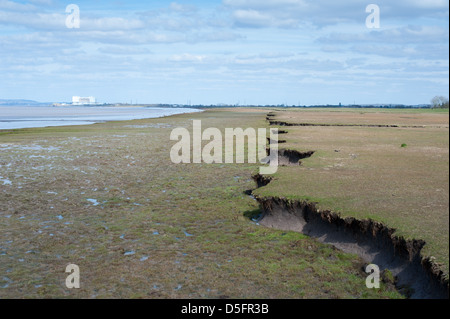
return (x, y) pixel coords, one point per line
(350, 117)
(288, 157)
(416, 277)
(279, 141)
(281, 123)
(292, 157)
(261, 180)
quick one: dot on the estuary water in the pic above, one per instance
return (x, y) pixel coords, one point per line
(16, 117)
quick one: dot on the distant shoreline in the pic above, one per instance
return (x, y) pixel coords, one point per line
(30, 103)
(22, 117)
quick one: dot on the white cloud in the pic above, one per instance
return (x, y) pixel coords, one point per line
(426, 42)
(112, 23)
(186, 57)
(406, 34)
(251, 18)
(271, 51)
(42, 2)
(124, 50)
(56, 21)
(294, 13)
(15, 6)
(182, 7)
(429, 4)
(265, 4)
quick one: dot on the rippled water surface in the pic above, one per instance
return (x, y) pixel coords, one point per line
(15, 117)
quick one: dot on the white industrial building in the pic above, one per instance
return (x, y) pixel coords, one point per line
(78, 100)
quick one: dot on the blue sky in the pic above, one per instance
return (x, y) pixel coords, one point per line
(225, 51)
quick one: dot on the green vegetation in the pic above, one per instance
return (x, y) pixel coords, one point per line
(107, 198)
(362, 172)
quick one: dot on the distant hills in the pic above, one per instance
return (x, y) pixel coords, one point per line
(22, 102)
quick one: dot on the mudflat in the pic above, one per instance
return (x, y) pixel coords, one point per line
(107, 198)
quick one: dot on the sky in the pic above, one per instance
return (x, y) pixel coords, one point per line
(242, 52)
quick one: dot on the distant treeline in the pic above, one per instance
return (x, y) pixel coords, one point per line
(388, 106)
(203, 106)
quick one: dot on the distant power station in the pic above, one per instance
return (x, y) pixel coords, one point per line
(78, 100)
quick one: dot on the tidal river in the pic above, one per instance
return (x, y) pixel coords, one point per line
(15, 117)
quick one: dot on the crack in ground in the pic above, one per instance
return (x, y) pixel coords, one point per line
(287, 157)
(417, 277)
(280, 123)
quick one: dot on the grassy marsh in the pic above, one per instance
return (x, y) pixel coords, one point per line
(396, 175)
(107, 198)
